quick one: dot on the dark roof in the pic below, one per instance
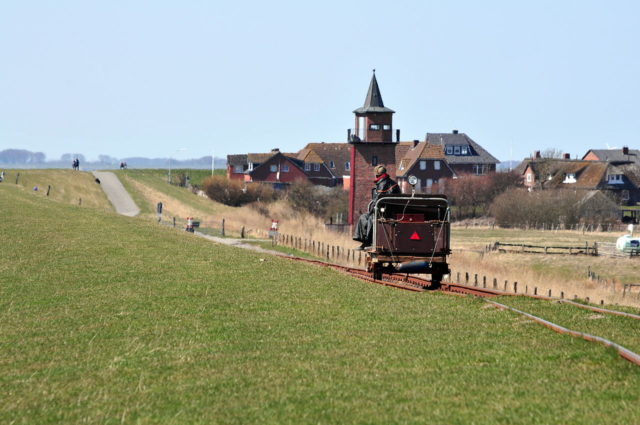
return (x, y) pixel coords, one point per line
(373, 101)
(615, 155)
(237, 159)
(478, 154)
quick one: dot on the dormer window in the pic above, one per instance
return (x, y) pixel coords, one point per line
(456, 150)
(347, 166)
(250, 166)
(569, 178)
(464, 150)
(307, 166)
(423, 164)
(316, 166)
(615, 179)
(332, 164)
(449, 150)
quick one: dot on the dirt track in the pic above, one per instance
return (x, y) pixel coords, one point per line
(117, 194)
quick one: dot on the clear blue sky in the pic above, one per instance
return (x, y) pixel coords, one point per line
(146, 78)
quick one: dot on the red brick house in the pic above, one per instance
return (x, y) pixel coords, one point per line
(279, 170)
(426, 162)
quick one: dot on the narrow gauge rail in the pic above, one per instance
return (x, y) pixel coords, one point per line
(415, 284)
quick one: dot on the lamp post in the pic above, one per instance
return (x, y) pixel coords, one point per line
(177, 150)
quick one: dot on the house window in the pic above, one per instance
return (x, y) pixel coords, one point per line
(615, 179)
(529, 177)
(316, 167)
(285, 168)
(238, 169)
(449, 149)
(423, 164)
(332, 164)
(250, 166)
(429, 183)
(374, 127)
(347, 166)
(456, 150)
(374, 160)
(464, 150)
(307, 166)
(569, 178)
(479, 169)
(625, 195)
(436, 165)
(386, 127)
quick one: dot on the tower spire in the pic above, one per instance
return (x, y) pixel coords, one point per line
(373, 102)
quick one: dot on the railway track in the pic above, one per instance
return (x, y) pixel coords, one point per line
(416, 284)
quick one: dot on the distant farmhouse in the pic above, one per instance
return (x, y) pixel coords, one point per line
(613, 172)
(370, 143)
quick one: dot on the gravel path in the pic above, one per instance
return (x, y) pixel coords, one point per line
(117, 194)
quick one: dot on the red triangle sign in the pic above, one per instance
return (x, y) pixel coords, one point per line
(415, 237)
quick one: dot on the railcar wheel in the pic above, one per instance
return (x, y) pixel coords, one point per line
(377, 271)
(436, 280)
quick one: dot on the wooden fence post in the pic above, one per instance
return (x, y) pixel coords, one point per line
(495, 283)
(475, 279)
(484, 281)
(242, 233)
(515, 287)
(17, 178)
(48, 189)
(222, 228)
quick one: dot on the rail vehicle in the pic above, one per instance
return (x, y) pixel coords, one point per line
(411, 235)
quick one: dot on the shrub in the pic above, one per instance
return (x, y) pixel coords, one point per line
(236, 193)
(470, 193)
(518, 207)
(320, 201)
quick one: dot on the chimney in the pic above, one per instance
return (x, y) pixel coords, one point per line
(397, 135)
(348, 134)
(566, 156)
(537, 155)
(415, 143)
(275, 150)
(625, 150)
(455, 131)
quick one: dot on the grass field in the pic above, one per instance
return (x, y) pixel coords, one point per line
(109, 319)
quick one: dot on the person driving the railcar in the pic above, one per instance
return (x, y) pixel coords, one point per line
(384, 185)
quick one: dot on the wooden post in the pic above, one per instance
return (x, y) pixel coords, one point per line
(475, 279)
(174, 222)
(79, 201)
(495, 283)
(17, 178)
(222, 228)
(549, 293)
(505, 285)
(515, 287)
(535, 290)
(48, 189)
(466, 278)
(458, 277)
(242, 233)
(484, 281)
(562, 295)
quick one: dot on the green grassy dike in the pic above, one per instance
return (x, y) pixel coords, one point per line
(108, 319)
